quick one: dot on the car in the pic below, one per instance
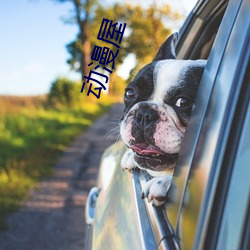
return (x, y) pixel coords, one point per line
(208, 203)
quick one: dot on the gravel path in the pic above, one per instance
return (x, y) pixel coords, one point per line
(53, 218)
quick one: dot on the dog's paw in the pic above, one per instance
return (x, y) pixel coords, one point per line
(156, 189)
(127, 162)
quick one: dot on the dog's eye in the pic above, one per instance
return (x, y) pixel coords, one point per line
(183, 102)
(130, 94)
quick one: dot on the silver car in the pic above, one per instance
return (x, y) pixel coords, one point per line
(208, 203)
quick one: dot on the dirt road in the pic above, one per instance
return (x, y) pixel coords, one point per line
(53, 218)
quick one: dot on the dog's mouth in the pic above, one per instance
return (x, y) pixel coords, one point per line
(149, 152)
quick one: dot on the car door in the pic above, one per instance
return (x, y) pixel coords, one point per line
(207, 184)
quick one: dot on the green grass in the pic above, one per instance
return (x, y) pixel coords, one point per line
(31, 139)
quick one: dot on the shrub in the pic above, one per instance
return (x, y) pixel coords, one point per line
(65, 92)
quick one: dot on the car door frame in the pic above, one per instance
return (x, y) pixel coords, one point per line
(198, 138)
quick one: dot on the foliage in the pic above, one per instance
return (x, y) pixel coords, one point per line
(65, 92)
(31, 138)
(116, 87)
(146, 33)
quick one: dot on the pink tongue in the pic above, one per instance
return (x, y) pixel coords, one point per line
(145, 149)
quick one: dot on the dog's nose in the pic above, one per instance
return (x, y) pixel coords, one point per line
(144, 118)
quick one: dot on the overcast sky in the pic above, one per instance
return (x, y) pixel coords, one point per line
(32, 44)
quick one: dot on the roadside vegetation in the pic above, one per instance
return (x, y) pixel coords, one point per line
(34, 131)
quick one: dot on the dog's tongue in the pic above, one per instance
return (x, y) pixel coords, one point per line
(145, 149)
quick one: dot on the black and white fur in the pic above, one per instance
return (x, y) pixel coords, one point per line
(158, 102)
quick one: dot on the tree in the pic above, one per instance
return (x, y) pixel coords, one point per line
(146, 26)
(81, 48)
(74, 47)
(146, 32)
(64, 92)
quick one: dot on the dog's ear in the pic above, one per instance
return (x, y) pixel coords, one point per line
(167, 49)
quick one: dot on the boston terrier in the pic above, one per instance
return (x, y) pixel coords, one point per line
(158, 102)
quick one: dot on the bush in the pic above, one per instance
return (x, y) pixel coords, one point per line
(65, 92)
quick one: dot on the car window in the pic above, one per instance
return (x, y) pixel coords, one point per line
(199, 31)
(208, 130)
(165, 224)
(193, 129)
(235, 212)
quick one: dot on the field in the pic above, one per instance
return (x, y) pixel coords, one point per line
(32, 135)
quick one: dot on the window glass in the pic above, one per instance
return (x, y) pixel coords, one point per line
(236, 206)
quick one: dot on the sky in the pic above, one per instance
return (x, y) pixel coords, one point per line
(32, 44)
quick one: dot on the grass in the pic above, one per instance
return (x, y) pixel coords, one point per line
(31, 139)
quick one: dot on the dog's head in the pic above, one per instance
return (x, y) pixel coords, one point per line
(158, 103)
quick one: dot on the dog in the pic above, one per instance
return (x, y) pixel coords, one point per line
(158, 102)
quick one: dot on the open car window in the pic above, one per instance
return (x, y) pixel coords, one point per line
(212, 26)
(196, 41)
